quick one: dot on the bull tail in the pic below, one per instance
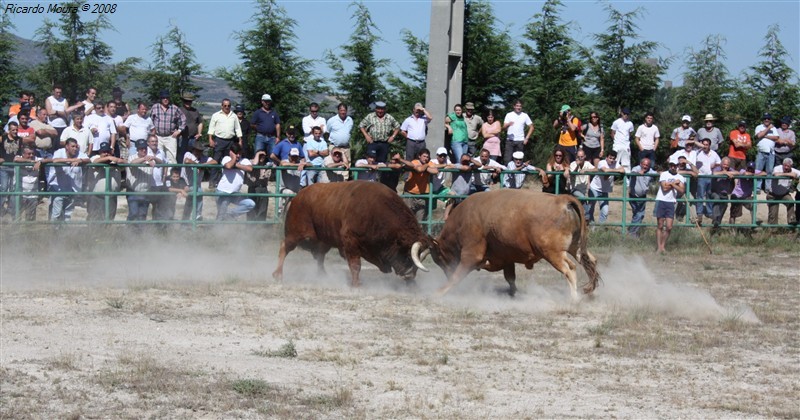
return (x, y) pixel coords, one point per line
(587, 260)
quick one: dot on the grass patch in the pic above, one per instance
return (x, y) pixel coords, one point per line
(116, 302)
(252, 388)
(287, 351)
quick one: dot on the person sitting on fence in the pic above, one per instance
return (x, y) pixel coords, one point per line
(489, 173)
(781, 190)
(100, 185)
(30, 181)
(721, 188)
(336, 159)
(743, 192)
(233, 169)
(257, 181)
(516, 180)
(602, 185)
(580, 181)
(639, 181)
(558, 162)
(65, 178)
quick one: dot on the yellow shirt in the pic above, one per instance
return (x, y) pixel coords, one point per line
(567, 138)
(225, 126)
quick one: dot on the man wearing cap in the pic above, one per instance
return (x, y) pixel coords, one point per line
(785, 143)
(140, 180)
(442, 161)
(103, 128)
(195, 156)
(380, 130)
(516, 138)
(708, 131)
(670, 184)
(369, 162)
(245, 125)
(570, 126)
(336, 159)
(234, 167)
(707, 160)
(96, 204)
(281, 150)
(767, 135)
(169, 121)
(414, 129)
(63, 178)
(474, 124)
(621, 130)
(418, 182)
(122, 107)
(194, 123)
(223, 131)
(290, 178)
(139, 127)
(267, 124)
(516, 180)
(647, 136)
(682, 133)
(312, 120)
(740, 143)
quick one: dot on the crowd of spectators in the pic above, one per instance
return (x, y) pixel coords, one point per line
(58, 139)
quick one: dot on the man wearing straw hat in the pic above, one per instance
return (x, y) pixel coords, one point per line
(710, 132)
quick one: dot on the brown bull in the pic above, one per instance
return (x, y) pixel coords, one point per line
(362, 219)
(496, 229)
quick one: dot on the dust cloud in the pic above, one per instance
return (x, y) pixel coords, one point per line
(119, 257)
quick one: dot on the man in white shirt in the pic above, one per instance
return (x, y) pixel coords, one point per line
(602, 185)
(647, 136)
(139, 126)
(415, 129)
(103, 128)
(223, 131)
(707, 160)
(781, 190)
(340, 127)
(766, 134)
(580, 181)
(621, 130)
(231, 183)
(516, 138)
(489, 173)
(65, 178)
(313, 120)
(516, 180)
(670, 184)
(78, 132)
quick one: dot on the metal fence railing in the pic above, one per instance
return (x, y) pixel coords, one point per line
(21, 195)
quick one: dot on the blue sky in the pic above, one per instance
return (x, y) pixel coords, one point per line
(322, 25)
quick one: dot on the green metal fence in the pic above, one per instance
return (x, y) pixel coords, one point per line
(431, 223)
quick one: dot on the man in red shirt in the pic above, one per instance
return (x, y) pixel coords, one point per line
(25, 132)
(740, 143)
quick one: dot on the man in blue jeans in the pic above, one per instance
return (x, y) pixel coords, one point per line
(640, 178)
(267, 125)
(233, 169)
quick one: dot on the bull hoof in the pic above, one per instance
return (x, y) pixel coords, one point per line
(277, 276)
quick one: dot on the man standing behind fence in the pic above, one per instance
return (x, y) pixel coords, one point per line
(639, 183)
(670, 184)
(223, 131)
(169, 121)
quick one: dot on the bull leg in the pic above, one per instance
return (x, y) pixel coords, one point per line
(285, 249)
(354, 262)
(568, 268)
(461, 271)
(319, 255)
(511, 277)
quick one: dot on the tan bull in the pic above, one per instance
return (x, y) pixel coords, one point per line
(495, 230)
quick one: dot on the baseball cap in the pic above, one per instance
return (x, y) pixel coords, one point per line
(626, 111)
(105, 147)
(686, 118)
(294, 152)
(566, 107)
(518, 155)
(372, 153)
(441, 151)
(238, 108)
(141, 144)
(751, 166)
(266, 97)
(742, 123)
(766, 116)
(786, 120)
(469, 105)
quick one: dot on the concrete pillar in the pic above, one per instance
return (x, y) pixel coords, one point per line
(445, 53)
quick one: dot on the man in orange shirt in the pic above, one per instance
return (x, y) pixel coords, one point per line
(418, 181)
(740, 144)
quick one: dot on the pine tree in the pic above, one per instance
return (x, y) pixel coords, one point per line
(9, 74)
(772, 82)
(409, 83)
(173, 69)
(706, 82)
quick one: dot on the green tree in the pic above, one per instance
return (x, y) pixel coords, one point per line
(706, 81)
(552, 75)
(773, 84)
(622, 71)
(490, 66)
(364, 84)
(173, 69)
(9, 75)
(270, 64)
(408, 85)
(78, 58)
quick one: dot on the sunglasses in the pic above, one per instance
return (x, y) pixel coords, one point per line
(559, 155)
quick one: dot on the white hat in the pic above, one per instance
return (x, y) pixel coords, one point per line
(441, 151)
(687, 118)
(518, 155)
(266, 97)
(294, 152)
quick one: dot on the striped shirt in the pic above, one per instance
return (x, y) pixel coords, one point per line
(167, 120)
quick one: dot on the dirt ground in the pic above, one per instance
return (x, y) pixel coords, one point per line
(111, 324)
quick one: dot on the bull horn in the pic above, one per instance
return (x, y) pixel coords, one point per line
(424, 254)
(415, 256)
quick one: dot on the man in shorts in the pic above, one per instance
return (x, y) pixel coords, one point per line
(670, 184)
